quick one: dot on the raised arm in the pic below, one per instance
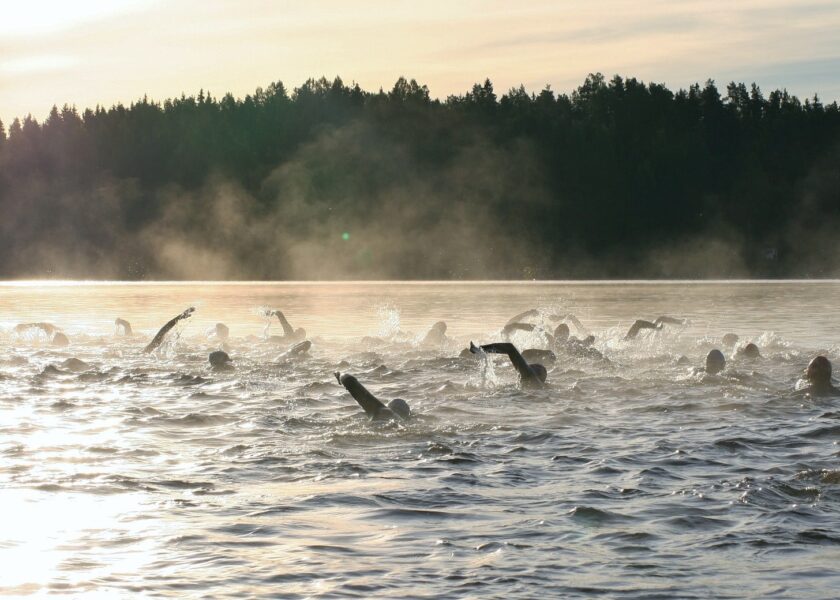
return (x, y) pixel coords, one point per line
(523, 315)
(519, 363)
(288, 330)
(638, 326)
(576, 322)
(511, 327)
(370, 403)
(125, 325)
(158, 339)
(47, 328)
(669, 320)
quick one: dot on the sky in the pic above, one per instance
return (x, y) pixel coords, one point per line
(88, 52)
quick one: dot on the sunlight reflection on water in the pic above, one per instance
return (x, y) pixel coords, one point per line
(632, 476)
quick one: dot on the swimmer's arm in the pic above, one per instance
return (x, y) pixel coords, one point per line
(523, 315)
(519, 363)
(576, 322)
(511, 327)
(638, 326)
(370, 403)
(158, 339)
(125, 325)
(284, 323)
(669, 320)
(47, 328)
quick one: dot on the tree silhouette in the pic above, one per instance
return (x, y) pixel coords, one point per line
(612, 172)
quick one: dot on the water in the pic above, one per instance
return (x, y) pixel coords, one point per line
(632, 478)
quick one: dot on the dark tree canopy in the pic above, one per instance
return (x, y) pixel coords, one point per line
(618, 179)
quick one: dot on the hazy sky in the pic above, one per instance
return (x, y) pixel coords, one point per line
(86, 52)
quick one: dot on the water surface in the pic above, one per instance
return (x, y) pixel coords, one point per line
(632, 477)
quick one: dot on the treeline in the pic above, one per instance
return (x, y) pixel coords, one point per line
(617, 179)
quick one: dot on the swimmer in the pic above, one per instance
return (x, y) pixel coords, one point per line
(158, 339)
(220, 361)
(122, 328)
(561, 333)
(290, 334)
(531, 375)
(48, 328)
(749, 351)
(59, 339)
(75, 365)
(658, 324)
(510, 328)
(221, 332)
(730, 339)
(574, 321)
(522, 316)
(51, 331)
(562, 337)
(374, 407)
(818, 375)
(562, 341)
(436, 335)
(298, 349)
(715, 362)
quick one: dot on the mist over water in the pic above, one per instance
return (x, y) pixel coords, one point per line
(632, 476)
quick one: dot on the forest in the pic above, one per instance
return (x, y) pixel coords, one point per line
(617, 179)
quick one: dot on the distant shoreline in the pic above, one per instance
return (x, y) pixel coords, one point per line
(536, 282)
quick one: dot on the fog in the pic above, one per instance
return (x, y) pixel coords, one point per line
(620, 180)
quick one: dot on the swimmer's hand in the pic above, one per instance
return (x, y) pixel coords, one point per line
(474, 349)
(337, 377)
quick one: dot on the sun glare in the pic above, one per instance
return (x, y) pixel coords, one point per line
(47, 16)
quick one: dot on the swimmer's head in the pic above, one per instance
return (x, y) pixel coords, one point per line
(540, 371)
(819, 371)
(561, 333)
(400, 408)
(715, 362)
(439, 327)
(300, 333)
(219, 358)
(222, 331)
(59, 339)
(750, 351)
(730, 339)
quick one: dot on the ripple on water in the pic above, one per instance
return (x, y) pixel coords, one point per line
(633, 477)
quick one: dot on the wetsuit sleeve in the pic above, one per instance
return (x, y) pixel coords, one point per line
(519, 363)
(638, 326)
(523, 315)
(284, 323)
(511, 327)
(370, 403)
(669, 320)
(158, 339)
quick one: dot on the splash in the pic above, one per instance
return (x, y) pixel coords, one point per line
(389, 321)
